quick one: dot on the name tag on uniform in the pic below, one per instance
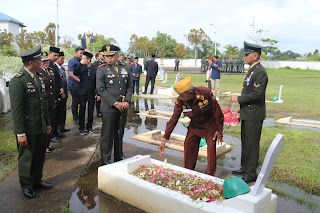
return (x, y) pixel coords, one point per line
(43, 86)
(247, 80)
(187, 110)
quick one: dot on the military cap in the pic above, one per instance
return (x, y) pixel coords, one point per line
(54, 49)
(34, 53)
(45, 56)
(61, 54)
(153, 56)
(89, 55)
(109, 49)
(249, 48)
(183, 85)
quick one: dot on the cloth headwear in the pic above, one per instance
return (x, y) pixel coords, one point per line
(153, 56)
(109, 50)
(249, 48)
(136, 58)
(89, 55)
(54, 49)
(34, 53)
(183, 85)
(45, 56)
(61, 54)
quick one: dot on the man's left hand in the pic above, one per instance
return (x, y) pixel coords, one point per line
(234, 98)
(98, 98)
(218, 137)
(61, 91)
(125, 105)
(49, 129)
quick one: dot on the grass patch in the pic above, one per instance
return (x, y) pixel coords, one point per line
(299, 161)
(300, 88)
(8, 153)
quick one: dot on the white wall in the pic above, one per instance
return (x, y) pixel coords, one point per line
(312, 65)
(12, 28)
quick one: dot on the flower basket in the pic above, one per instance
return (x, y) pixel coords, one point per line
(231, 117)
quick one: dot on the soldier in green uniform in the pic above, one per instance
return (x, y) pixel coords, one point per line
(114, 85)
(252, 112)
(31, 121)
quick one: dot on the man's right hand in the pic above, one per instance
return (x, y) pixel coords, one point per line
(22, 140)
(119, 106)
(161, 147)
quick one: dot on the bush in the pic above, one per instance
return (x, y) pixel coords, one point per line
(10, 64)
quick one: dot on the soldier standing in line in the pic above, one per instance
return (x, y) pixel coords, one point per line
(99, 61)
(115, 88)
(58, 91)
(31, 121)
(252, 112)
(49, 80)
(62, 100)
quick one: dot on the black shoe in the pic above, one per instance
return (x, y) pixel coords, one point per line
(55, 139)
(64, 130)
(83, 132)
(103, 163)
(60, 135)
(99, 115)
(248, 180)
(44, 185)
(238, 172)
(75, 122)
(144, 93)
(90, 130)
(50, 149)
(119, 159)
(29, 193)
(151, 93)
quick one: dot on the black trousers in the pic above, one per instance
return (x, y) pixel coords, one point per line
(51, 116)
(250, 144)
(111, 134)
(135, 83)
(75, 103)
(62, 113)
(83, 102)
(98, 103)
(176, 67)
(148, 79)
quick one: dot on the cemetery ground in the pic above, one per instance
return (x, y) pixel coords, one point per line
(299, 162)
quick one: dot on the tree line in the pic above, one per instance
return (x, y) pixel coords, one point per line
(162, 44)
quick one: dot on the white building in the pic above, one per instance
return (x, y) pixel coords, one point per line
(11, 25)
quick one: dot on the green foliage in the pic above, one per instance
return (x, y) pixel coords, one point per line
(8, 152)
(231, 51)
(6, 46)
(196, 38)
(285, 56)
(180, 50)
(165, 45)
(50, 31)
(207, 49)
(100, 40)
(10, 64)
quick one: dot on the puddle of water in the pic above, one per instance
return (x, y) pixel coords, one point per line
(87, 198)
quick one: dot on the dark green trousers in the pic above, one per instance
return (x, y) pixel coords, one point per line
(250, 143)
(31, 160)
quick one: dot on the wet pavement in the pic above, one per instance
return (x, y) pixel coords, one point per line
(87, 198)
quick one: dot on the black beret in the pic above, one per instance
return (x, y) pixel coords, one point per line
(153, 56)
(54, 49)
(61, 54)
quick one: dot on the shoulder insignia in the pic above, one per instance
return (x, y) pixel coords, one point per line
(177, 102)
(256, 85)
(50, 68)
(102, 65)
(19, 74)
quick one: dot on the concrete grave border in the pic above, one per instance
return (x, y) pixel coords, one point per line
(289, 121)
(147, 137)
(115, 179)
(166, 116)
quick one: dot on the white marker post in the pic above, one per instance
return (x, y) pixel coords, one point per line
(280, 94)
(268, 163)
(177, 77)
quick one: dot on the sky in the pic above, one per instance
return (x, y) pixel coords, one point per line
(294, 23)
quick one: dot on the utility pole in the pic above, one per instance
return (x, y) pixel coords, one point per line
(57, 25)
(252, 38)
(215, 43)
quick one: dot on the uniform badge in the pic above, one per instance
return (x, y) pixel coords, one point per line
(113, 76)
(111, 81)
(125, 81)
(256, 85)
(29, 83)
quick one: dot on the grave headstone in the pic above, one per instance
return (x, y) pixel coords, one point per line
(177, 77)
(166, 77)
(268, 163)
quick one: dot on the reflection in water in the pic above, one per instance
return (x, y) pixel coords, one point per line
(133, 119)
(150, 123)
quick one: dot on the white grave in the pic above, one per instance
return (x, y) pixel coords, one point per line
(5, 104)
(280, 96)
(115, 179)
(165, 80)
(177, 77)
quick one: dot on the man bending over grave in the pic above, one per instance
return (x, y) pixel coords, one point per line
(200, 105)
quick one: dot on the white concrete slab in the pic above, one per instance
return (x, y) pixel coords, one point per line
(114, 180)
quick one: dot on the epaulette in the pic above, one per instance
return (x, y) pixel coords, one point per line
(102, 65)
(19, 74)
(50, 68)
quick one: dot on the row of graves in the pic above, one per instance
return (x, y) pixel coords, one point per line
(156, 186)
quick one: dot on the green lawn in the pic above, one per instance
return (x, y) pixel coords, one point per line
(8, 152)
(300, 88)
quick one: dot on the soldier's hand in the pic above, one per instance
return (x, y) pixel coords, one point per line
(22, 140)
(61, 91)
(119, 106)
(49, 129)
(218, 137)
(98, 98)
(234, 98)
(125, 105)
(162, 146)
